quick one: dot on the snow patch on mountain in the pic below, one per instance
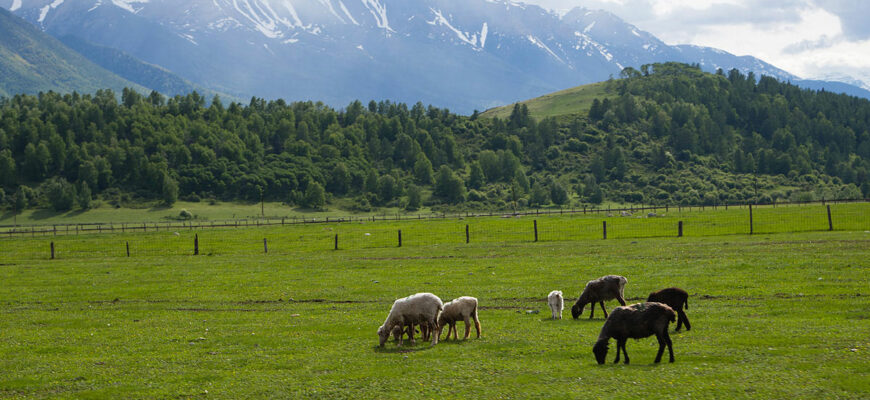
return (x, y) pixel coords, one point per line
(463, 36)
(262, 16)
(296, 21)
(43, 12)
(16, 4)
(346, 12)
(379, 11)
(542, 45)
(484, 31)
(128, 4)
(189, 38)
(328, 5)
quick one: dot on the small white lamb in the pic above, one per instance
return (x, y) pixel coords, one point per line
(557, 304)
(463, 308)
(418, 308)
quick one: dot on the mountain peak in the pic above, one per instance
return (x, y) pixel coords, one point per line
(462, 54)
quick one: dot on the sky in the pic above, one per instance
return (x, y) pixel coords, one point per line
(813, 39)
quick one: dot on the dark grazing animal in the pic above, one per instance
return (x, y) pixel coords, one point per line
(676, 298)
(635, 322)
(598, 291)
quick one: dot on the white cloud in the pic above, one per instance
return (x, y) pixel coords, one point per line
(809, 38)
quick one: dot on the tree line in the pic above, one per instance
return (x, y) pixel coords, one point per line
(667, 133)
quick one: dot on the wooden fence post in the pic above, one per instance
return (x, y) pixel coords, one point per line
(467, 237)
(605, 229)
(336, 241)
(751, 227)
(196, 244)
(265, 246)
(52, 250)
(400, 238)
(680, 229)
(536, 230)
(128, 249)
(830, 222)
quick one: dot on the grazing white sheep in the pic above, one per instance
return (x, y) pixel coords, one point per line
(418, 308)
(557, 303)
(463, 308)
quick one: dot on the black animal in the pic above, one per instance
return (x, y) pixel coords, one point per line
(634, 322)
(676, 298)
(598, 291)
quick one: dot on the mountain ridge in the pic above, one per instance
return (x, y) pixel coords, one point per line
(463, 55)
(34, 62)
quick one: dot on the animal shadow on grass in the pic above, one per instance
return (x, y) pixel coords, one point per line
(404, 349)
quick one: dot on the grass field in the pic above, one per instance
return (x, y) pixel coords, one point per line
(773, 316)
(572, 101)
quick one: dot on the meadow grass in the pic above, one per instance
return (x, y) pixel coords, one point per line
(773, 315)
(295, 238)
(576, 100)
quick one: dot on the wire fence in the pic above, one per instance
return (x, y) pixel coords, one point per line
(287, 238)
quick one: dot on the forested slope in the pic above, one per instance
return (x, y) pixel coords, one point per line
(667, 134)
(32, 61)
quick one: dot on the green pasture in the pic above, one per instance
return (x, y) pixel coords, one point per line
(774, 315)
(177, 238)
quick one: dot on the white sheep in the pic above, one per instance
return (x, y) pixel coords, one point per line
(418, 308)
(463, 308)
(557, 304)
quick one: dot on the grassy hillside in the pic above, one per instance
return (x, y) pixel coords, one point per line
(302, 324)
(32, 61)
(566, 102)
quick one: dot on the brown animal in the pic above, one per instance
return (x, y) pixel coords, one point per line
(676, 298)
(598, 291)
(635, 322)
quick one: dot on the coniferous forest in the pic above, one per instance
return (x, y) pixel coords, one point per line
(664, 134)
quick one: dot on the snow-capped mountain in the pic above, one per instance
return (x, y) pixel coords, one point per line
(461, 54)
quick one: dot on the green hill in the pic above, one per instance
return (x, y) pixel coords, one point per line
(32, 61)
(576, 100)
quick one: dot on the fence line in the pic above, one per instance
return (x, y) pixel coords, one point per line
(301, 238)
(144, 227)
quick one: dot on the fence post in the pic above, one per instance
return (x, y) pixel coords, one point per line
(400, 238)
(680, 229)
(536, 230)
(128, 249)
(467, 237)
(336, 241)
(265, 246)
(830, 222)
(751, 228)
(605, 229)
(196, 244)
(52, 250)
